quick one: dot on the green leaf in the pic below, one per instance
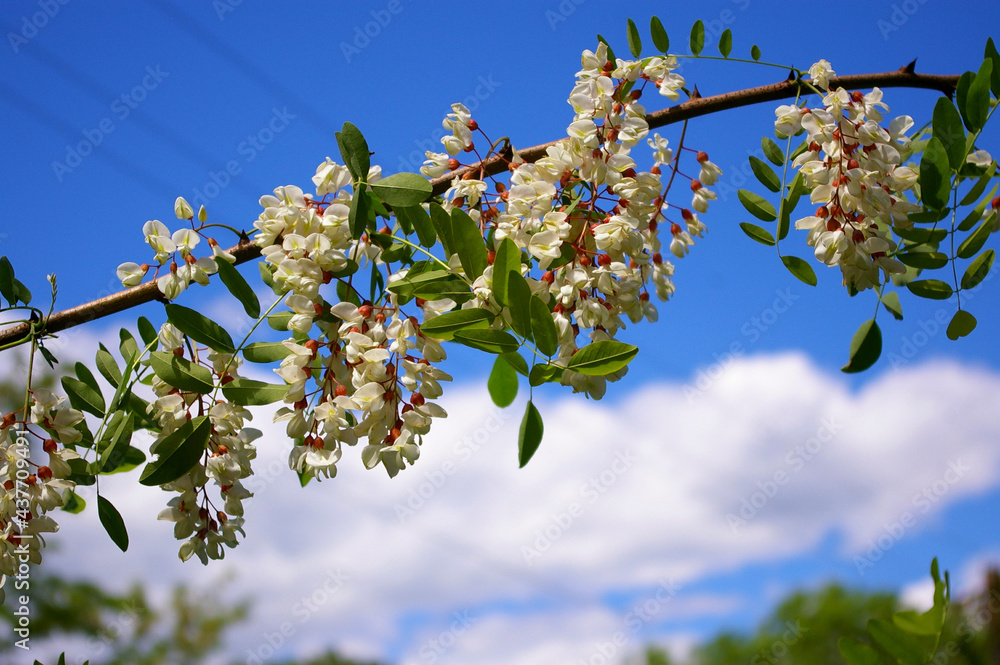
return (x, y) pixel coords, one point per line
(765, 174)
(980, 185)
(519, 297)
(726, 43)
(857, 652)
(948, 129)
(502, 383)
(978, 269)
(441, 221)
(755, 52)
(962, 94)
(866, 347)
(977, 239)
(84, 374)
(469, 243)
(545, 373)
(265, 352)
(279, 320)
(354, 151)
(891, 303)
(403, 189)
(127, 346)
(543, 328)
(601, 358)
(800, 268)
(977, 104)
(935, 175)
(452, 286)
(21, 292)
(517, 362)
(507, 260)
(73, 503)
(756, 205)
(238, 286)
(961, 324)
(774, 154)
(181, 372)
(994, 57)
(7, 281)
(761, 235)
(113, 523)
(444, 326)
(119, 435)
(147, 332)
(417, 217)
(977, 213)
(784, 219)
(634, 41)
(924, 260)
(247, 392)
(660, 39)
(529, 435)
(697, 42)
(921, 236)
(83, 397)
(80, 472)
(200, 328)
(358, 216)
(490, 341)
(934, 289)
(107, 366)
(177, 453)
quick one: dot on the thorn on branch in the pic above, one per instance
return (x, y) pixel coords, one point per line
(694, 93)
(910, 68)
(791, 75)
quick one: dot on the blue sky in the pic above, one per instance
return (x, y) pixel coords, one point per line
(172, 95)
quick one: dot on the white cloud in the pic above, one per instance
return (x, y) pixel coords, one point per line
(621, 496)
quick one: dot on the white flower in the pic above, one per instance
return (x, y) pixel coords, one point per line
(130, 274)
(980, 158)
(183, 209)
(820, 73)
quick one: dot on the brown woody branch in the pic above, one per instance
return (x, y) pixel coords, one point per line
(693, 108)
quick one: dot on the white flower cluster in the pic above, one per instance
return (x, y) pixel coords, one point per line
(204, 526)
(350, 367)
(584, 212)
(853, 166)
(29, 489)
(166, 244)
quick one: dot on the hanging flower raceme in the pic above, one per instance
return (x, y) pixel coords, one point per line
(852, 164)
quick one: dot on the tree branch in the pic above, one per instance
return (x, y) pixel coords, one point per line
(693, 108)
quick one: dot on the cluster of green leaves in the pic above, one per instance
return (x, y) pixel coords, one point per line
(909, 638)
(661, 40)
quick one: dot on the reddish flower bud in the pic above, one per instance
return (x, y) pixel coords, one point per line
(49, 445)
(702, 156)
(696, 185)
(45, 473)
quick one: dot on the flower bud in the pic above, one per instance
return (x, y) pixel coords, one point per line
(183, 209)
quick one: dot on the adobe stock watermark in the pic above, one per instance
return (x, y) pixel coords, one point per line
(752, 330)
(248, 149)
(592, 490)
(638, 616)
(777, 651)
(795, 460)
(901, 13)
(415, 159)
(302, 610)
(444, 641)
(31, 24)
(463, 451)
(121, 108)
(364, 34)
(922, 501)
